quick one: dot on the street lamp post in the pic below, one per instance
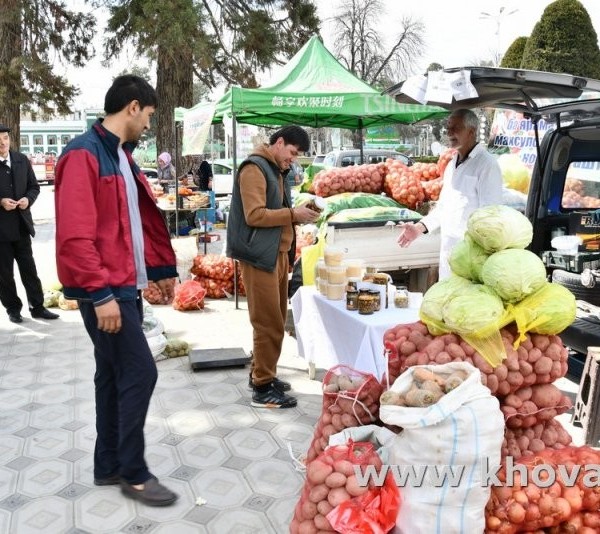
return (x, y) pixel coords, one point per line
(498, 18)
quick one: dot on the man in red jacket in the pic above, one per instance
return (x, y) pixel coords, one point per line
(110, 241)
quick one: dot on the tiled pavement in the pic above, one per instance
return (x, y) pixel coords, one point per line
(203, 438)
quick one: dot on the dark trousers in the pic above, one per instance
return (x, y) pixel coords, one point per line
(125, 378)
(19, 251)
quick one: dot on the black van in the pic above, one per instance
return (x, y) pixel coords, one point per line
(565, 184)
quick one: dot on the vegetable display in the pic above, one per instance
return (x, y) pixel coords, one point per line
(356, 178)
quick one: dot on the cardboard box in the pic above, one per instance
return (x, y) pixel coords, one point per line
(208, 238)
(581, 225)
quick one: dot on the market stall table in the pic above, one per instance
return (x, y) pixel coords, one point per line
(328, 334)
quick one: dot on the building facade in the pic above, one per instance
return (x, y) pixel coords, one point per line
(50, 137)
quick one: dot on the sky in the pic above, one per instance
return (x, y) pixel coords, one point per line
(456, 34)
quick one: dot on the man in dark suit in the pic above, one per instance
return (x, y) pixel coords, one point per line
(18, 190)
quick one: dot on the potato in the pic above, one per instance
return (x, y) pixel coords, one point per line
(317, 472)
(318, 493)
(336, 480)
(353, 488)
(337, 496)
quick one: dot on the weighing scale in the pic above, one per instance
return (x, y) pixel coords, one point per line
(201, 359)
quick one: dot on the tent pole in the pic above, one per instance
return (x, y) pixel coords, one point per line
(235, 263)
(360, 138)
(176, 183)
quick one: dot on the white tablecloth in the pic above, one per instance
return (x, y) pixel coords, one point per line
(328, 334)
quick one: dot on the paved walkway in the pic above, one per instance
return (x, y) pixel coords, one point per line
(203, 438)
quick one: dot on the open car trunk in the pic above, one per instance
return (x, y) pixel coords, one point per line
(565, 182)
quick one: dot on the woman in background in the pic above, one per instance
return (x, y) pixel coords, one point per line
(166, 171)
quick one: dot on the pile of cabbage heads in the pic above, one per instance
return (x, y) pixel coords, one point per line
(492, 255)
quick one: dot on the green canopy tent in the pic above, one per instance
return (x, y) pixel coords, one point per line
(315, 90)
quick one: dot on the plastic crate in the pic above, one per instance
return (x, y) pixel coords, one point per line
(574, 263)
(586, 412)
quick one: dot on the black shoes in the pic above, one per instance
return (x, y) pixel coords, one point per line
(270, 396)
(112, 480)
(43, 313)
(153, 494)
(15, 317)
(282, 385)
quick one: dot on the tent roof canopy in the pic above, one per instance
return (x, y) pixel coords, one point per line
(315, 90)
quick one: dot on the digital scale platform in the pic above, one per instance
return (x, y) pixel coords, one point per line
(202, 359)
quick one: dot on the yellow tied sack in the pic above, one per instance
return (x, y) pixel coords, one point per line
(487, 341)
(547, 311)
(310, 255)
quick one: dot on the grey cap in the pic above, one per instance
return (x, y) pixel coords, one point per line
(4, 128)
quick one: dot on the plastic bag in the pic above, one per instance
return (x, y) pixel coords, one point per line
(375, 512)
(189, 296)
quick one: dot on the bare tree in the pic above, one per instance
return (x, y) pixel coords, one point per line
(362, 49)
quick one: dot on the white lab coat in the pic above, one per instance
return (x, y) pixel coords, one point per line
(475, 183)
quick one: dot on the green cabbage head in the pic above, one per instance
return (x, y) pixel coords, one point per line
(547, 311)
(440, 293)
(467, 259)
(474, 310)
(514, 274)
(496, 228)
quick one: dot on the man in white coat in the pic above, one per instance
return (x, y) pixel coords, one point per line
(472, 179)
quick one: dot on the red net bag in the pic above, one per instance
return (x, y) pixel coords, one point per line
(215, 288)
(534, 404)
(558, 493)
(189, 296)
(539, 359)
(350, 399)
(153, 295)
(520, 442)
(213, 266)
(333, 499)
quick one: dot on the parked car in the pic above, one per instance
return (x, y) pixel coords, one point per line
(151, 174)
(222, 177)
(565, 184)
(345, 158)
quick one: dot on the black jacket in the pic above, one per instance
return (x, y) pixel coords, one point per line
(25, 185)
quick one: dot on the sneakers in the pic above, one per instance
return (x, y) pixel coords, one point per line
(282, 385)
(270, 396)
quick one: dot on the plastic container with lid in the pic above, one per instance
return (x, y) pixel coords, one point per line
(354, 268)
(333, 255)
(336, 274)
(336, 291)
(321, 269)
(322, 285)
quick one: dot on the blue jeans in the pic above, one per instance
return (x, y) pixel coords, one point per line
(125, 378)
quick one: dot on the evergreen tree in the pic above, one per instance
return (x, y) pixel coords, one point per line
(514, 54)
(213, 41)
(563, 40)
(34, 35)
